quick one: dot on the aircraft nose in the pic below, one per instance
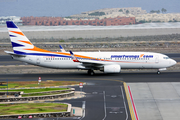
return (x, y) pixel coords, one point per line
(173, 62)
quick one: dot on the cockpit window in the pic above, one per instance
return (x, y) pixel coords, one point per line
(165, 57)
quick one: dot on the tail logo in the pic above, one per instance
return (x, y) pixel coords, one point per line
(19, 33)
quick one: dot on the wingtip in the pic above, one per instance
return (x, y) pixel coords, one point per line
(60, 47)
(71, 52)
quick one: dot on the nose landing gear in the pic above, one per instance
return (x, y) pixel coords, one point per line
(158, 72)
(161, 69)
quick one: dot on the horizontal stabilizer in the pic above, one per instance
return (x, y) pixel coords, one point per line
(14, 54)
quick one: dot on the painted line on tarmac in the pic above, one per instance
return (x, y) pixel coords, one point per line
(104, 105)
(129, 102)
(124, 103)
(133, 103)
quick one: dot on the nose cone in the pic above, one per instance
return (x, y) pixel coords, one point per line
(173, 62)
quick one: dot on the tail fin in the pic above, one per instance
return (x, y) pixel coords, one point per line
(18, 39)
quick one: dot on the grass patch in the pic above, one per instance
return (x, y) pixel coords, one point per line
(36, 90)
(19, 84)
(41, 94)
(61, 40)
(26, 108)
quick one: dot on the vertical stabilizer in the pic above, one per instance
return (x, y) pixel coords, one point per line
(18, 39)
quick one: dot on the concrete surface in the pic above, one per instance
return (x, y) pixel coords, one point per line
(77, 111)
(157, 101)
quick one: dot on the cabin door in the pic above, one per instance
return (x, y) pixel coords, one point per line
(38, 60)
(156, 59)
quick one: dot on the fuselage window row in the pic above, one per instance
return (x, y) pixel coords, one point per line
(98, 59)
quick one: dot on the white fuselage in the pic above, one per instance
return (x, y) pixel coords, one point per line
(128, 60)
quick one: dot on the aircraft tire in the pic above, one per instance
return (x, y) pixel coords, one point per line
(90, 72)
(158, 72)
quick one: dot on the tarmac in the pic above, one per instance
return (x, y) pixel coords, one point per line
(156, 97)
(101, 101)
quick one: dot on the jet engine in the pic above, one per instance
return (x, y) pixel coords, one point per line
(112, 68)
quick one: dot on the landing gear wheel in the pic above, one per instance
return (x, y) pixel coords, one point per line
(158, 72)
(90, 72)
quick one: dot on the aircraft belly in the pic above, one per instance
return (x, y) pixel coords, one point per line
(136, 65)
(67, 65)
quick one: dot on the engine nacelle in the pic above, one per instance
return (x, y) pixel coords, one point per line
(112, 69)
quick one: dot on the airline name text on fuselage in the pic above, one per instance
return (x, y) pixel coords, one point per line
(131, 56)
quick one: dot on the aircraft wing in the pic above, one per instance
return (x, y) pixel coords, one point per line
(97, 63)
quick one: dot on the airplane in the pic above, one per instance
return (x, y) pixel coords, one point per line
(107, 62)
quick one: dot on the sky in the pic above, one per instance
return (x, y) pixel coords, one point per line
(64, 8)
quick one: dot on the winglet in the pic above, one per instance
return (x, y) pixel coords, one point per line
(73, 56)
(62, 49)
(71, 52)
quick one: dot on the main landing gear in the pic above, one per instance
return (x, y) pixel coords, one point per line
(90, 72)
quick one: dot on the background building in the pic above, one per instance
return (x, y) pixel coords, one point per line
(55, 21)
(109, 12)
(154, 17)
(17, 20)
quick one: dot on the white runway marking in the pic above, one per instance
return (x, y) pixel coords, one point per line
(104, 105)
(124, 103)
